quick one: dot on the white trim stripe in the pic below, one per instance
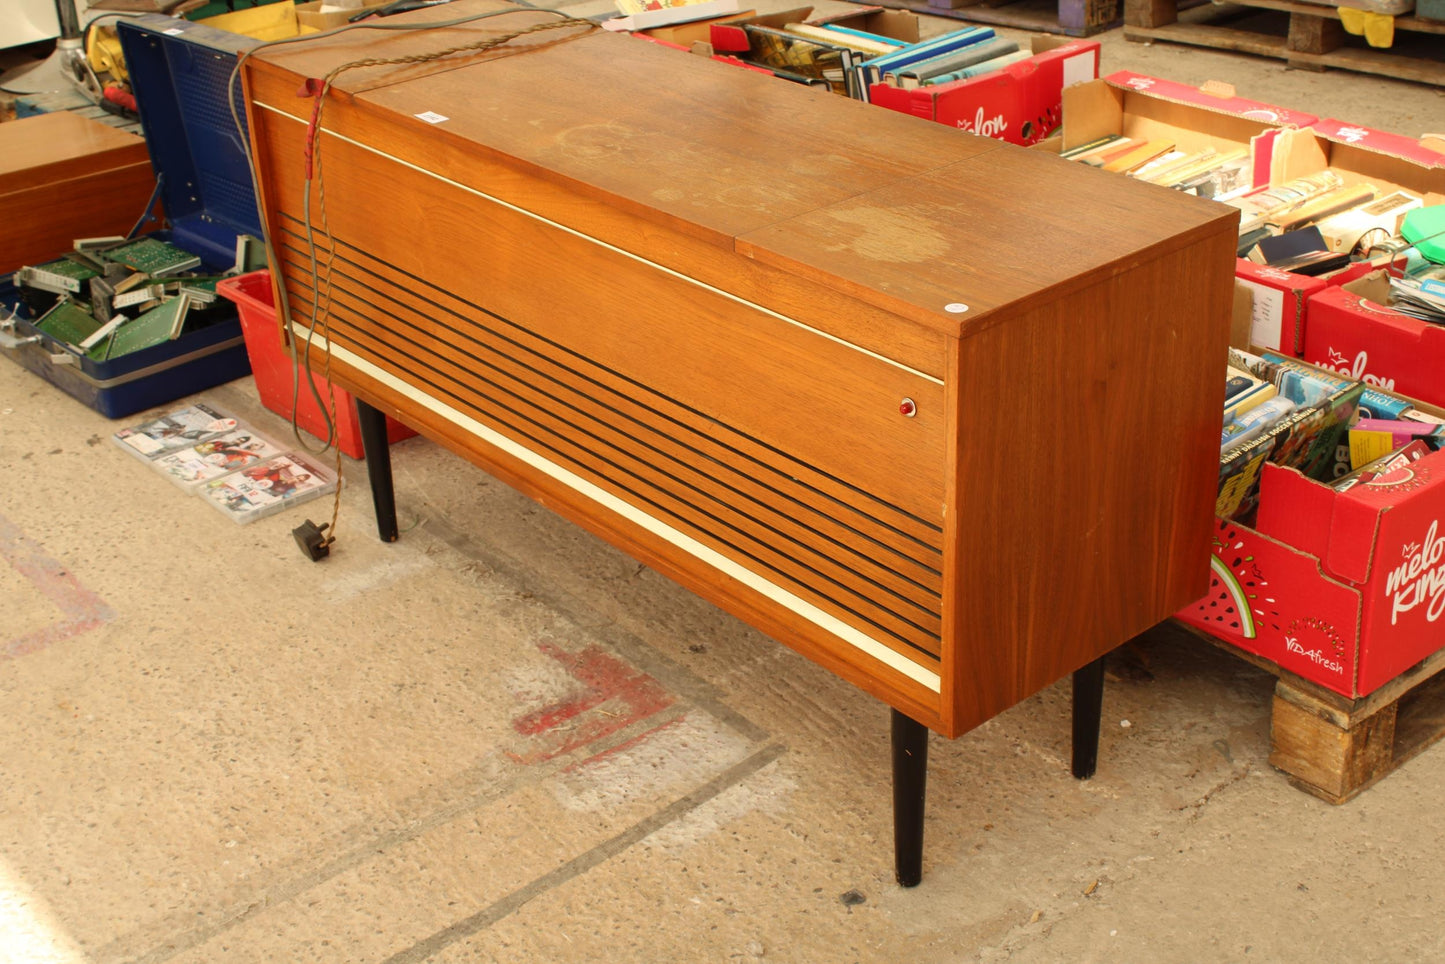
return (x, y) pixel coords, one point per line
(825, 621)
(625, 253)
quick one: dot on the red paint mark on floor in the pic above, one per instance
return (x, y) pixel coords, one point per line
(82, 609)
(613, 697)
(624, 745)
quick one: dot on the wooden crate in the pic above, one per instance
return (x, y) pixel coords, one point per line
(1334, 747)
(1304, 35)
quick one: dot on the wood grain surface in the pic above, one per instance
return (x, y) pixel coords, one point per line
(64, 177)
(717, 302)
(48, 148)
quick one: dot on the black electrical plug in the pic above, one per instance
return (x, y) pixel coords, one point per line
(310, 537)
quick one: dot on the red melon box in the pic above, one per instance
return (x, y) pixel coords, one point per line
(1351, 330)
(1280, 301)
(1021, 103)
(1346, 589)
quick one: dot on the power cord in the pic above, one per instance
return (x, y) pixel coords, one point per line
(315, 540)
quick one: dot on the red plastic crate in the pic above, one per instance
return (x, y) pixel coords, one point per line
(272, 365)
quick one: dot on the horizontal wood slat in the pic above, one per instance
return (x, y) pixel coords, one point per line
(864, 561)
(773, 378)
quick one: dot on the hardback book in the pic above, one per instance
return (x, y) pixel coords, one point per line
(979, 69)
(913, 76)
(853, 40)
(1247, 395)
(874, 70)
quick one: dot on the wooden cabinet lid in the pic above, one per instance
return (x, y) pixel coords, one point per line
(55, 147)
(676, 137)
(903, 213)
(984, 232)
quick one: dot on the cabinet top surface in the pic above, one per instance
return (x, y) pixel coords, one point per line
(917, 215)
(32, 146)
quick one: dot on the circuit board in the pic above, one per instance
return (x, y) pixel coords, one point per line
(155, 258)
(68, 322)
(58, 277)
(69, 268)
(201, 290)
(159, 325)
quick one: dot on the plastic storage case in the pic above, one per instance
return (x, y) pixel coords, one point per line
(180, 72)
(274, 368)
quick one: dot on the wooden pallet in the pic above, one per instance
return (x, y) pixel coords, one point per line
(1335, 747)
(1304, 35)
(1073, 18)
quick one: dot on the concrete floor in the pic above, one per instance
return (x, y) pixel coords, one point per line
(500, 740)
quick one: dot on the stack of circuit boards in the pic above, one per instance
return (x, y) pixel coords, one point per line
(113, 296)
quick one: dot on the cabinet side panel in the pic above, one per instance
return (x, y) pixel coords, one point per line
(1087, 463)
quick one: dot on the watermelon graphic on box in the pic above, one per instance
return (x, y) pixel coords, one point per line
(1237, 604)
(1346, 589)
(1271, 600)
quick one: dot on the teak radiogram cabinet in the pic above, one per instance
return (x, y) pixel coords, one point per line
(939, 413)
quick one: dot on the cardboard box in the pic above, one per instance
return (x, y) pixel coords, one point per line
(1359, 155)
(1352, 330)
(310, 19)
(700, 48)
(694, 31)
(1343, 588)
(1136, 106)
(893, 24)
(279, 21)
(64, 177)
(661, 16)
(272, 21)
(1021, 103)
(1346, 589)
(1281, 299)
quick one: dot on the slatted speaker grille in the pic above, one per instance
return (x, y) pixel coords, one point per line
(850, 553)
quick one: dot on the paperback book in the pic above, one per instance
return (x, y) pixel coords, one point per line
(1305, 439)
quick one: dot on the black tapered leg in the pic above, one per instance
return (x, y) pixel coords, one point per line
(378, 468)
(910, 782)
(1088, 711)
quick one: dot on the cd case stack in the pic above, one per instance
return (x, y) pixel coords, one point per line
(236, 469)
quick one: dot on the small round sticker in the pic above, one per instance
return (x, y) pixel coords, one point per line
(957, 308)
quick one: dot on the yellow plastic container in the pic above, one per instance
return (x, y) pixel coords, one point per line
(275, 21)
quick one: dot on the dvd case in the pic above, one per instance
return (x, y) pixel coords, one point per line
(178, 430)
(268, 487)
(209, 460)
